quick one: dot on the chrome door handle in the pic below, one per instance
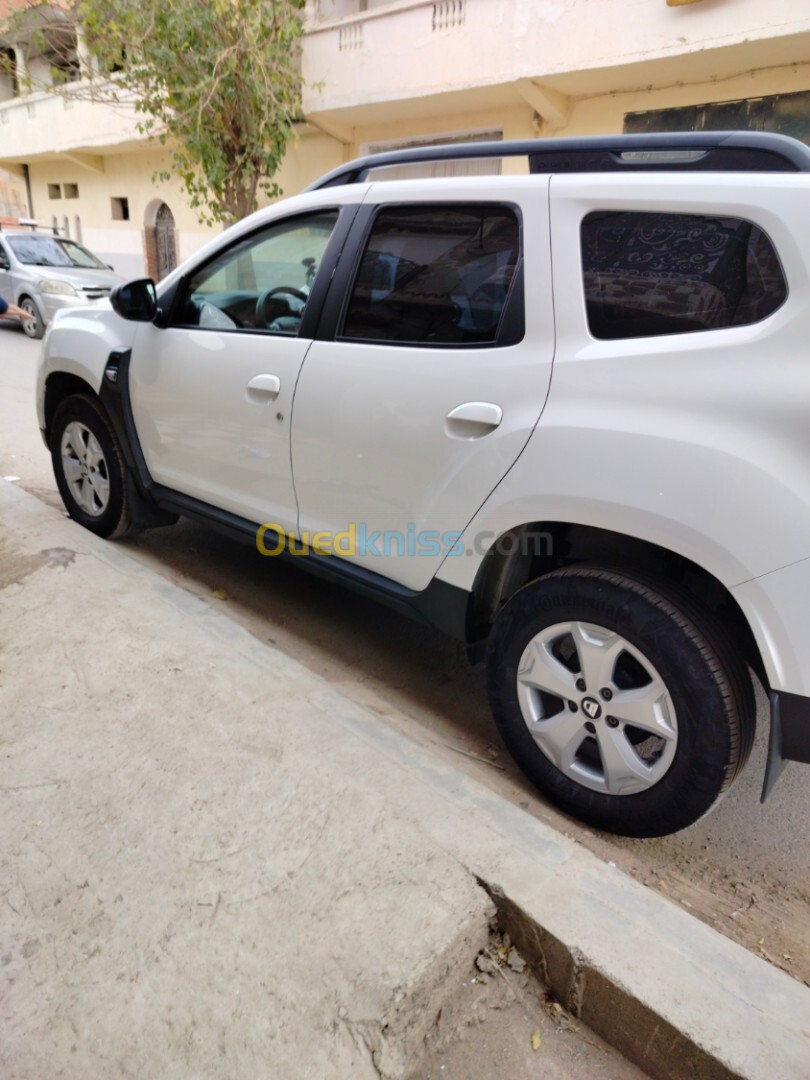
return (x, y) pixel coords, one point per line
(263, 388)
(473, 419)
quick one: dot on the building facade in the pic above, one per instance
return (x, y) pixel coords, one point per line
(386, 73)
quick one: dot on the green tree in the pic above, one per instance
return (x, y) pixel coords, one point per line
(217, 81)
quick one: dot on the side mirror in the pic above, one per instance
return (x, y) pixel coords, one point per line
(136, 300)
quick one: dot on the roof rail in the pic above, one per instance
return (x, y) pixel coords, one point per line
(715, 151)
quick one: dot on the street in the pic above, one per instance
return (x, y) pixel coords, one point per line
(743, 870)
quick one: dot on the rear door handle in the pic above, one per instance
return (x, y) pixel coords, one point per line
(263, 388)
(473, 419)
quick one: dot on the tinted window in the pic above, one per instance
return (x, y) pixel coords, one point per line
(433, 275)
(262, 282)
(649, 274)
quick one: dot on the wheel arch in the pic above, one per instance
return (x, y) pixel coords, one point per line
(58, 386)
(531, 550)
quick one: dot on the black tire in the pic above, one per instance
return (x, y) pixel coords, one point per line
(35, 327)
(79, 415)
(709, 698)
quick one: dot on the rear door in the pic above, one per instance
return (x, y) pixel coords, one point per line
(435, 373)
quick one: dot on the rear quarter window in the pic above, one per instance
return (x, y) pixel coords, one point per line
(654, 274)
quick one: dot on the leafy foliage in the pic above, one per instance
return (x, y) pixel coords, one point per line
(217, 81)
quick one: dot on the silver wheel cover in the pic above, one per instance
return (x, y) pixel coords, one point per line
(597, 708)
(30, 325)
(85, 468)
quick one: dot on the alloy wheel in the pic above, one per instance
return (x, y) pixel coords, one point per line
(597, 708)
(85, 469)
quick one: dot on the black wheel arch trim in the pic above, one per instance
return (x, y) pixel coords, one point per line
(114, 396)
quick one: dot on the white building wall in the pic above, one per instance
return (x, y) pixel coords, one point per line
(401, 52)
(391, 71)
(131, 175)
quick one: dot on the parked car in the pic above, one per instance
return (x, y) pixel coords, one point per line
(43, 273)
(562, 416)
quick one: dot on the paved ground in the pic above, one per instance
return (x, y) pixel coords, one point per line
(197, 880)
(214, 864)
(743, 870)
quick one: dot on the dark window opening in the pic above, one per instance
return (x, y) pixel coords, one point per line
(58, 49)
(120, 209)
(71, 191)
(8, 69)
(652, 274)
(435, 275)
(786, 114)
(54, 191)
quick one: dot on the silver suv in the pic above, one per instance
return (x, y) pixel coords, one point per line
(43, 273)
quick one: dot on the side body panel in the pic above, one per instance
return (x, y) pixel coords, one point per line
(374, 446)
(79, 342)
(697, 442)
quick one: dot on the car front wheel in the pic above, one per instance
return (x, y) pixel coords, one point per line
(624, 707)
(89, 467)
(35, 326)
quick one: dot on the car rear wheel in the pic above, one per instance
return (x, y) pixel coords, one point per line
(89, 467)
(621, 704)
(35, 326)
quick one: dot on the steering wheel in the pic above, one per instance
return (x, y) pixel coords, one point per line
(265, 317)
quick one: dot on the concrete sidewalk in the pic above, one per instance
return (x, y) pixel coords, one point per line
(215, 866)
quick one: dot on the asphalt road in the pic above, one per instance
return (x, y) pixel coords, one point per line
(743, 869)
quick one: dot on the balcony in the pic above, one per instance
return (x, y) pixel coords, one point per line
(371, 61)
(40, 126)
(385, 63)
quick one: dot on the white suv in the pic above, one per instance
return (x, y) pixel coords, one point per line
(560, 415)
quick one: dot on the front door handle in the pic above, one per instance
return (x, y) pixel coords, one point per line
(473, 419)
(263, 388)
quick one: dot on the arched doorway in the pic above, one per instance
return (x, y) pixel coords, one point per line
(164, 241)
(160, 242)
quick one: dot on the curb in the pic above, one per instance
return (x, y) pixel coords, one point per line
(671, 994)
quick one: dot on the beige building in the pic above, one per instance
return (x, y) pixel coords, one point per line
(385, 73)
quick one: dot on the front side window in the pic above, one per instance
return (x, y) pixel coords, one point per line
(435, 275)
(261, 283)
(654, 274)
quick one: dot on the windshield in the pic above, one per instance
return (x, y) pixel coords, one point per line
(52, 251)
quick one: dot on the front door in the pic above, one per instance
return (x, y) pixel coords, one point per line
(407, 421)
(212, 393)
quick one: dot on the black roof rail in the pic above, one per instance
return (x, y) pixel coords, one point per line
(715, 151)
